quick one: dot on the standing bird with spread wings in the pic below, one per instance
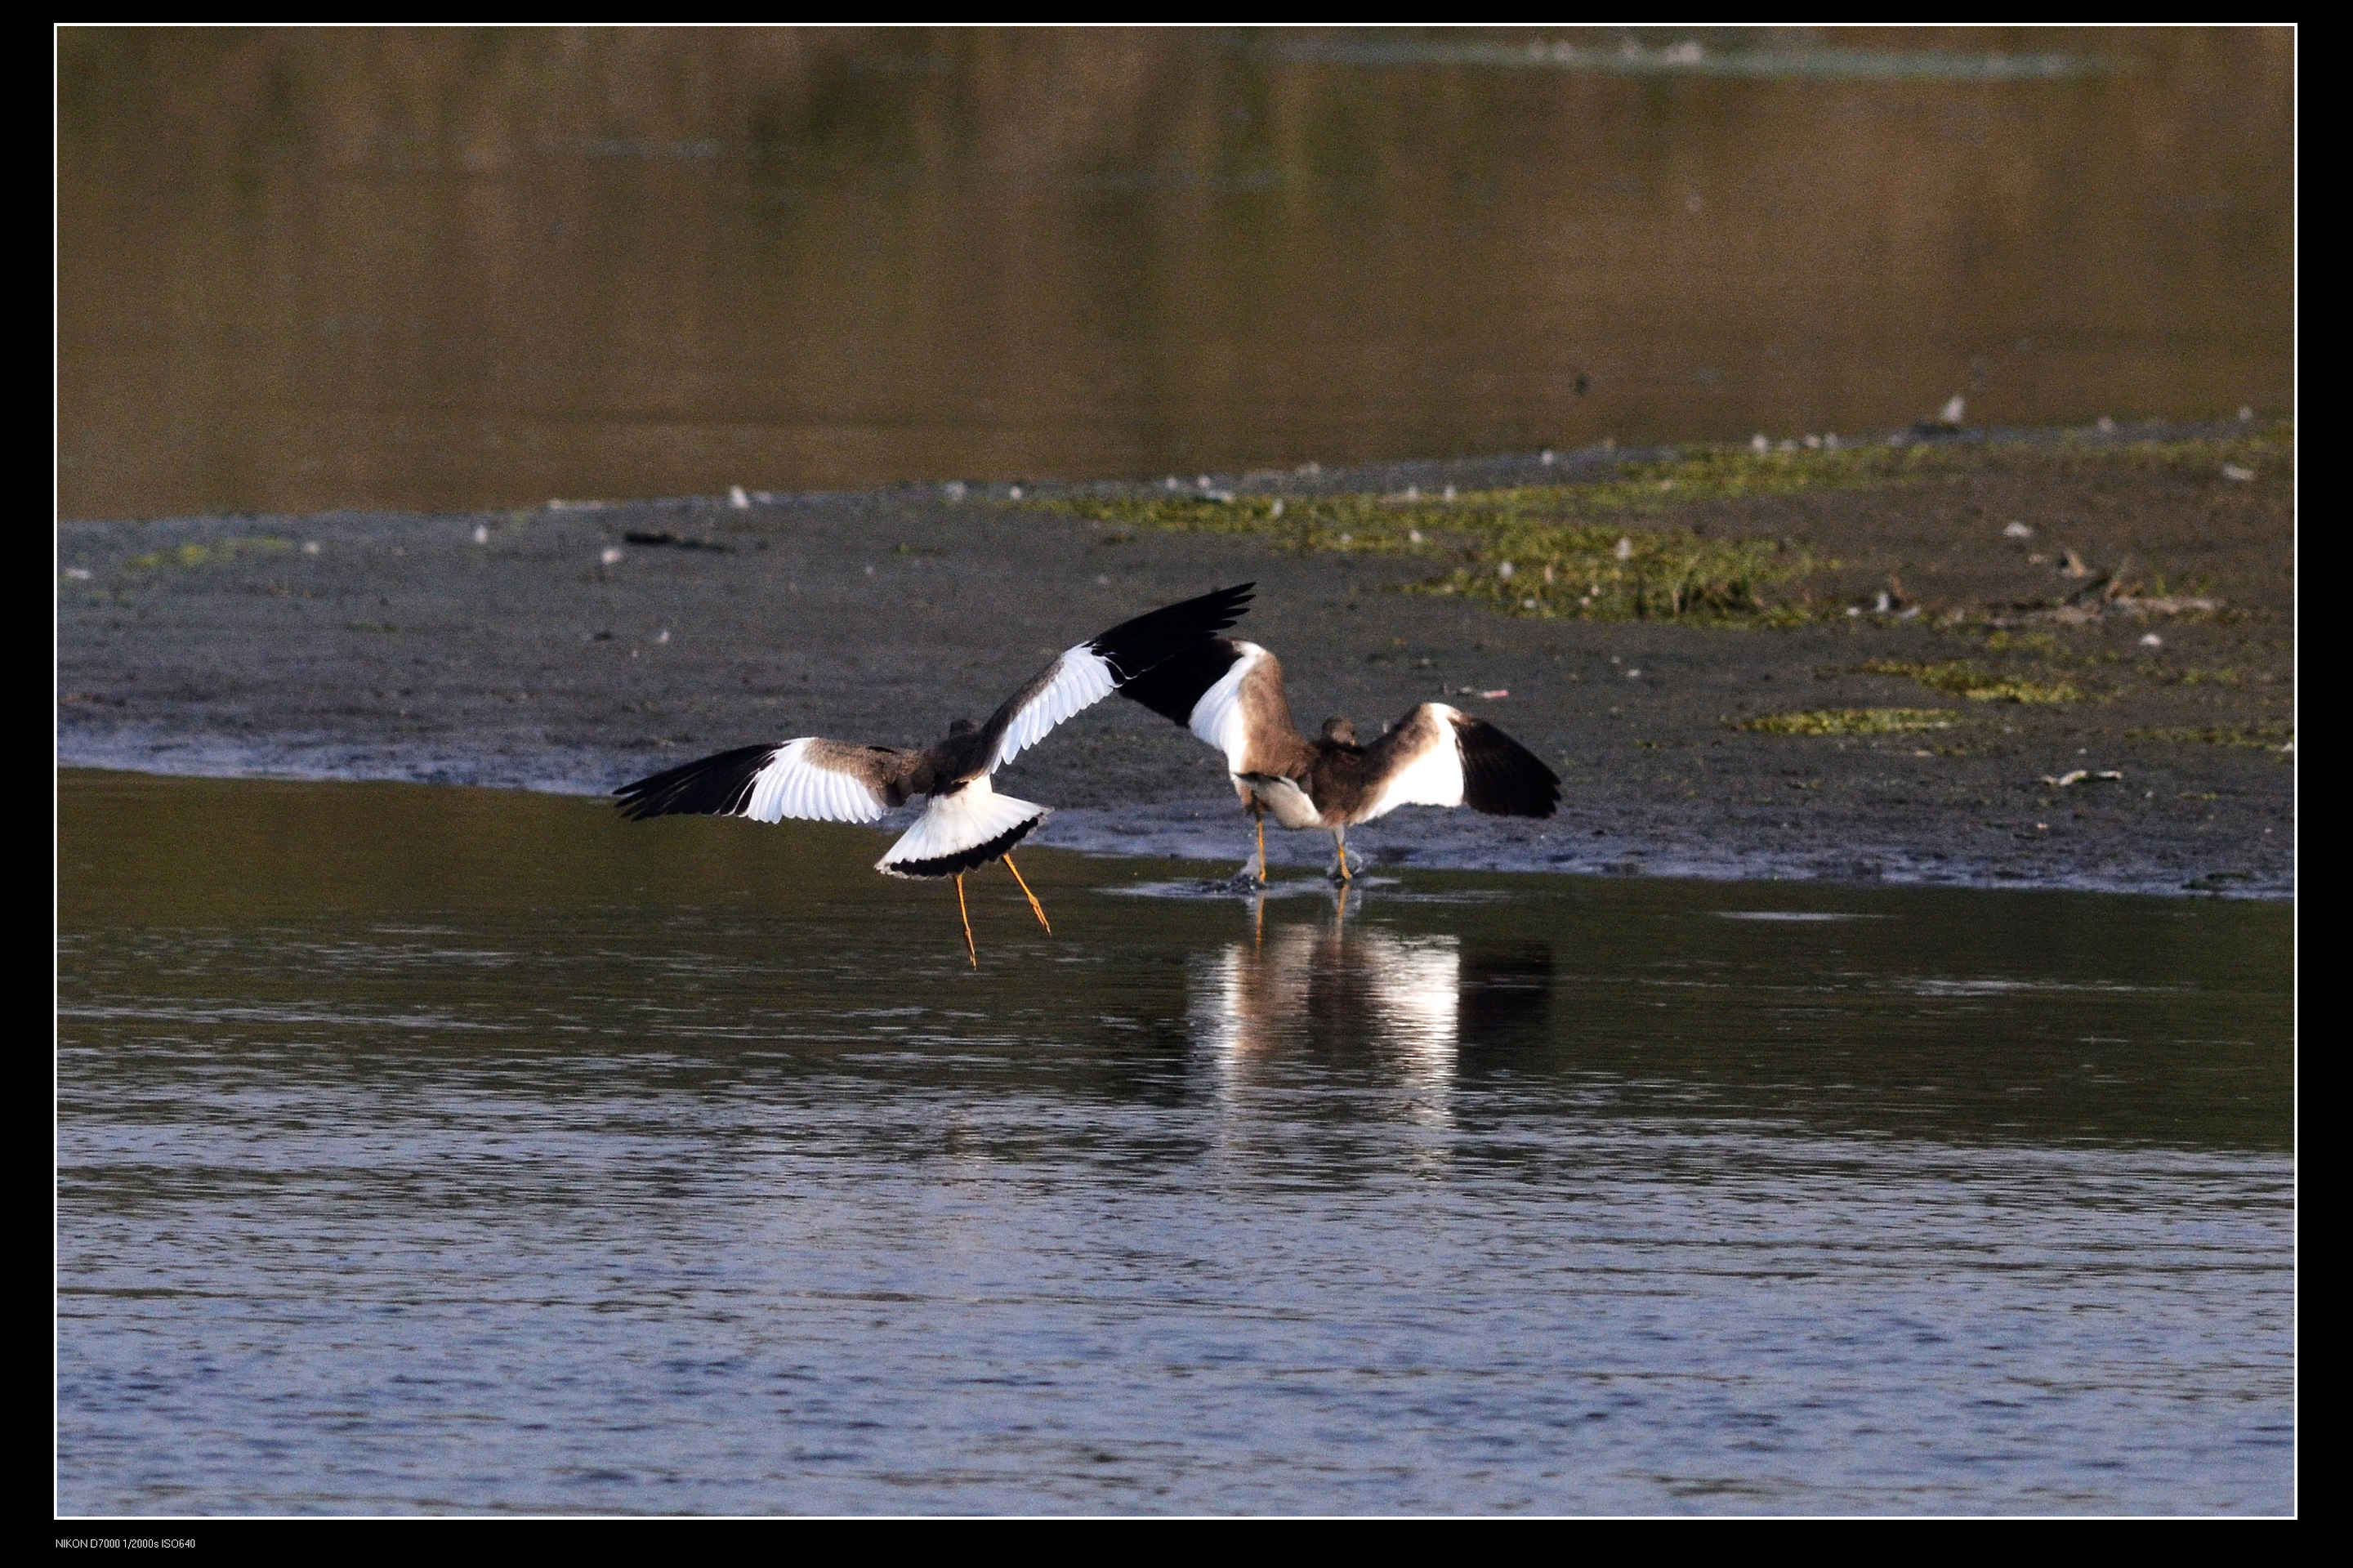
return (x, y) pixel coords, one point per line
(1230, 694)
(966, 823)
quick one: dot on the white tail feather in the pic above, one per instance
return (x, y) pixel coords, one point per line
(955, 824)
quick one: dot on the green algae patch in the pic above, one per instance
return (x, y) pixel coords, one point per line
(1974, 681)
(2267, 736)
(191, 555)
(1852, 721)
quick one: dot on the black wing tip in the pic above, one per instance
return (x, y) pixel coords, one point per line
(1145, 642)
(1499, 776)
(965, 859)
(1231, 602)
(1173, 686)
(1211, 611)
(714, 786)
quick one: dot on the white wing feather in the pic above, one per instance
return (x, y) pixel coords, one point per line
(1081, 679)
(790, 785)
(1434, 777)
(1218, 712)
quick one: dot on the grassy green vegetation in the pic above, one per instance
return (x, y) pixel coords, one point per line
(1609, 572)
(1978, 684)
(1550, 550)
(2269, 737)
(1584, 550)
(1852, 721)
(2264, 451)
(1607, 548)
(215, 554)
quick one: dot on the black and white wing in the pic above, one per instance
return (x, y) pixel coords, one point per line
(1085, 674)
(820, 780)
(1440, 756)
(1203, 689)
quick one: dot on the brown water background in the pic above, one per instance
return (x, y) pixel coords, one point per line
(308, 269)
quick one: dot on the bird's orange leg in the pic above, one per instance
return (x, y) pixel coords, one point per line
(1340, 843)
(1035, 908)
(970, 951)
(1261, 846)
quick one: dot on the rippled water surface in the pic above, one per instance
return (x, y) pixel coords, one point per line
(443, 1150)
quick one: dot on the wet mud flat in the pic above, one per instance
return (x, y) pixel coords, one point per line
(2043, 658)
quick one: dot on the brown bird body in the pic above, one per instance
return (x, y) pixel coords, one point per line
(1230, 693)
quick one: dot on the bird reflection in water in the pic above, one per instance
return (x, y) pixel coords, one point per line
(1342, 1005)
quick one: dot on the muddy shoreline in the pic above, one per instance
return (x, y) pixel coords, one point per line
(573, 647)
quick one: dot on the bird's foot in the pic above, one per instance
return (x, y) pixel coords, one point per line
(1035, 907)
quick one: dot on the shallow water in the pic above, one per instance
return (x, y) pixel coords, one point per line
(451, 1151)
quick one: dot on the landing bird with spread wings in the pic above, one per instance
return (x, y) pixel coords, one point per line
(1230, 694)
(966, 823)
